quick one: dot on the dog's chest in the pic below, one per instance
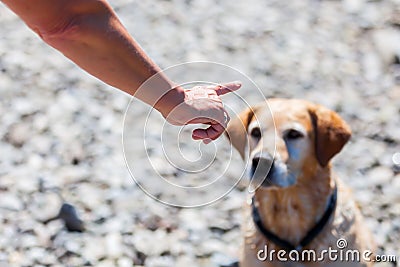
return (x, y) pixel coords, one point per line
(342, 225)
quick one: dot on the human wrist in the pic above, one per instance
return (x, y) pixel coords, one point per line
(171, 99)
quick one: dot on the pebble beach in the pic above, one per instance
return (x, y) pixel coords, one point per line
(61, 129)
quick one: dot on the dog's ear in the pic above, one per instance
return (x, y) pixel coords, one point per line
(331, 133)
(237, 130)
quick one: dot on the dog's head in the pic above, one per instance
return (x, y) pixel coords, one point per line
(290, 144)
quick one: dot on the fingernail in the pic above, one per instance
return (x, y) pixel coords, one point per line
(207, 141)
(237, 83)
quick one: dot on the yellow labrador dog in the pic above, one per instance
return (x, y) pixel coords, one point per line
(300, 214)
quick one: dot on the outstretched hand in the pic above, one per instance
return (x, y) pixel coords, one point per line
(203, 105)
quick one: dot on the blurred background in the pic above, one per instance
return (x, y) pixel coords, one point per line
(60, 129)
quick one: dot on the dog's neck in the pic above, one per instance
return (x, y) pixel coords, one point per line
(291, 212)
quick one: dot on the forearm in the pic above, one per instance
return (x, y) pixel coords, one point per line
(89, 33)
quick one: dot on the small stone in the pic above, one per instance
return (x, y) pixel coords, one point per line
(150, 243)
(93, 249)
(45, 205)
(372, 66)
(363, 196)
(379, 175)
(223, 260)
(71, 219)
(164, 261)
(210, 246)
(36, 254)
(27, 240)
(387, 42)
(54, 227)
(234, 201)
(106, 263)
(24, 106)
(10, 201)
(184, 261)
(40, 124)
(192, 219)
(124, 262)
(73, 245)
(353, 6)
(71, 174)
(91, 196)
(114, 245)
(394, 210)
(18, 134)
(19, 259)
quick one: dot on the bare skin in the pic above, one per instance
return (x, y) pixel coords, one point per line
(89, 33)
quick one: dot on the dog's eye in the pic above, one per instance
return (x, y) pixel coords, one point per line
(293, 134)
(256, 133)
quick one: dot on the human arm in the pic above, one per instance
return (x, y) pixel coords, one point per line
(90, 34)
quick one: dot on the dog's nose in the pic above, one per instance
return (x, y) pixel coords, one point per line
(262, 159)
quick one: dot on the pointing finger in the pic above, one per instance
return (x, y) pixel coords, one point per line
(227, 87)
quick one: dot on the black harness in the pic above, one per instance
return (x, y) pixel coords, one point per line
(314, 232)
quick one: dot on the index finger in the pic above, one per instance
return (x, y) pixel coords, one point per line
(227, 87)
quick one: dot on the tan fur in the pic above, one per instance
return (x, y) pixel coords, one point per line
(291, 211)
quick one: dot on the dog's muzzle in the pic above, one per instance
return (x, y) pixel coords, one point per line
(262, 167)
